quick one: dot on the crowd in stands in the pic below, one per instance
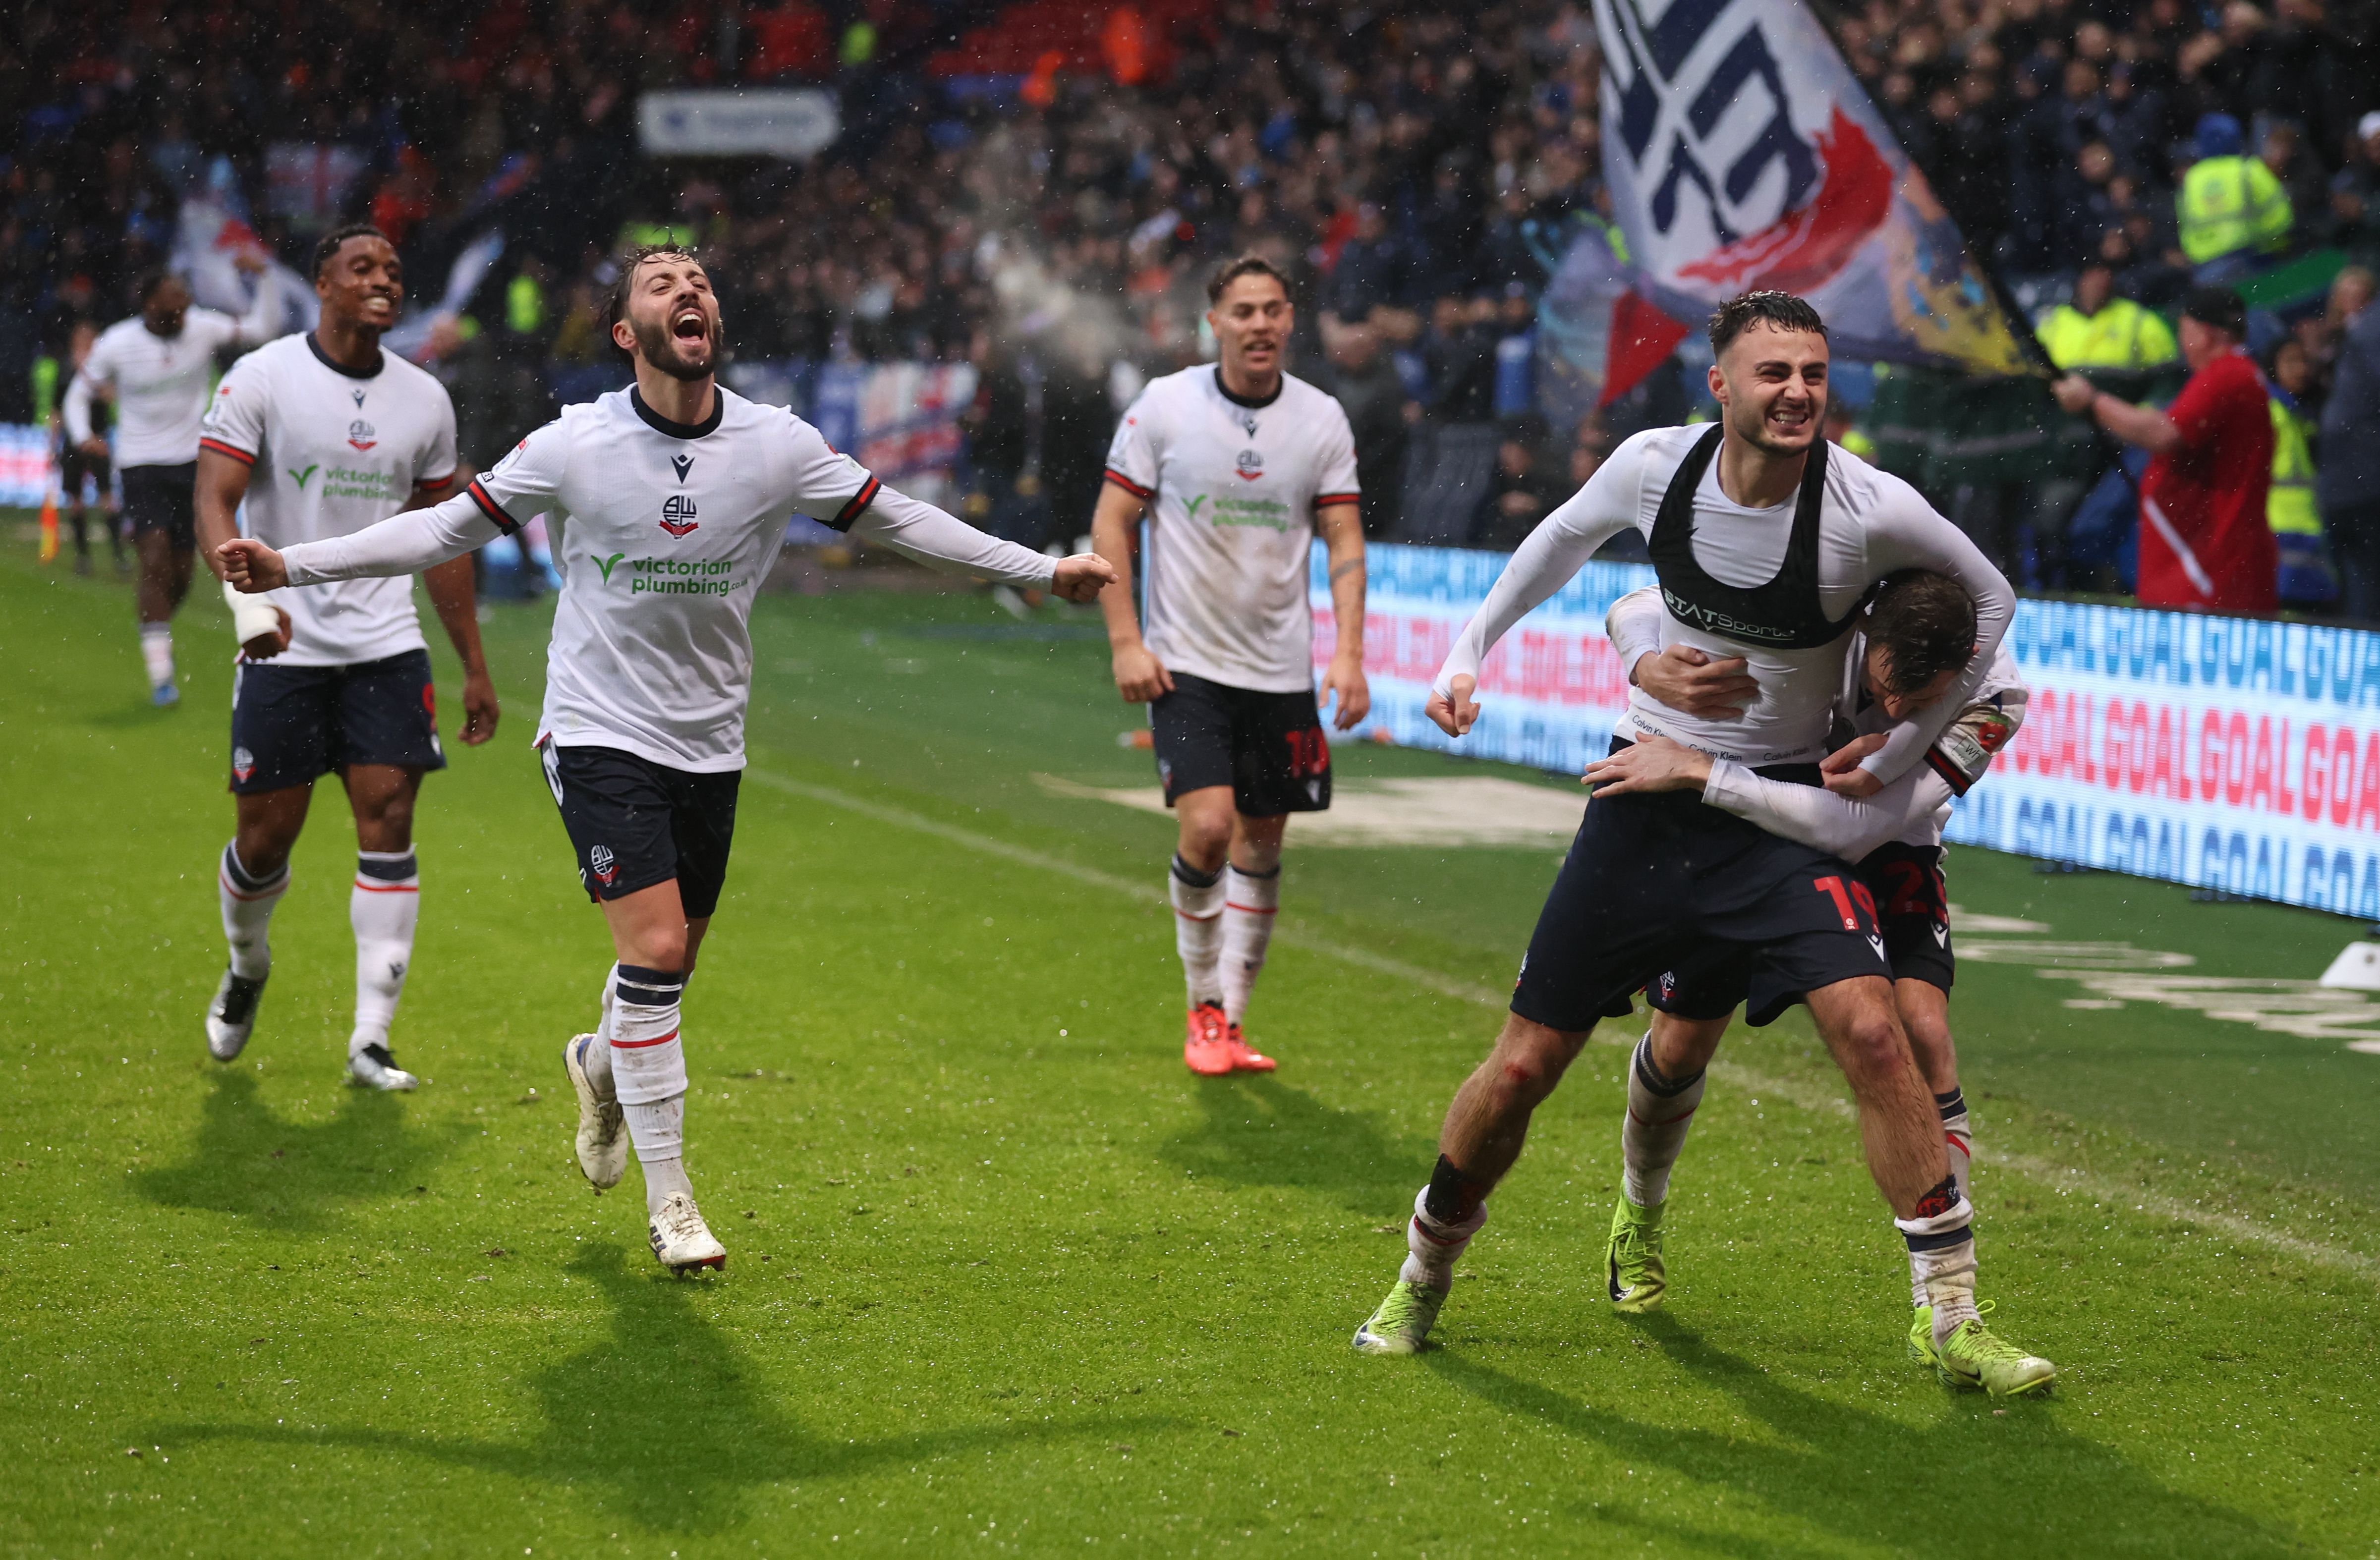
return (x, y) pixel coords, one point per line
(1039, 189)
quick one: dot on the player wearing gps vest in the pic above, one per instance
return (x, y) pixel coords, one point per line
(676, 492)
(1766, 540)
(160, 365)
(1915, 636)
(1240, 466)
(319, 435)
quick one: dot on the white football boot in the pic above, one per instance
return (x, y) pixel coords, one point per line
(231, 1017)
(602, 1126)
(372, 1067)
(681, 1239)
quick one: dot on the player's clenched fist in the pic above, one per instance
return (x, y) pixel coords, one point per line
(1083, 576)
(251, 567)
(1455, 714)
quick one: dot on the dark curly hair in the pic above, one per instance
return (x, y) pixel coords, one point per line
(1740, 312)
(1926, 624)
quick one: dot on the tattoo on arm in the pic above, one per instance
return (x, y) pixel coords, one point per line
(1353, 565)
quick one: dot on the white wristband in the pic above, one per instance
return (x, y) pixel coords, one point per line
(251, 615)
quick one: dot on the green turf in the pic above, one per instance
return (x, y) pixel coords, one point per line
(1003, 1275)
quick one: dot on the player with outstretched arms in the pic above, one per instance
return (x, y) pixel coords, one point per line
(1914, 639)
(159, 366)
(1765, 540)
(676, 491)
(322, 435)
(1239, 466)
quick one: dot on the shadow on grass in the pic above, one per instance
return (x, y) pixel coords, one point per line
(1260, 1131)
(287, 1175)
(2019, 1485)
(662, 1421)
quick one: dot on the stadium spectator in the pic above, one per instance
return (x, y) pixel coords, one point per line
(2101, 331)
(2355, 194)
(2231, 209)
(2204, 540)
(2346, 485)
(1523, 490)
(2306, 578)
(1380, 413)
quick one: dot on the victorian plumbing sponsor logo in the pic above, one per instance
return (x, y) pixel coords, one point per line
(2115, 974)
(669, 576)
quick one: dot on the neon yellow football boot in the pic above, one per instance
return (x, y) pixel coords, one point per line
(1633, 1270)
(1401, 1325)
(1974, 1356)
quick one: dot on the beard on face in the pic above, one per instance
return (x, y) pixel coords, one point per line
(659, 345)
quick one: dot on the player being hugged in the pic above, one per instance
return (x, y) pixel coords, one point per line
(1766, 539)
(676, 492)
(1240, 466)
(323, 435)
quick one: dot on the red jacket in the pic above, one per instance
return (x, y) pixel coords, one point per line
(2204, 543)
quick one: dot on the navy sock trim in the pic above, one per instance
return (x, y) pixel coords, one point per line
(1193, 877)
(1260, 877)
(1655, 1083)
(649, 987)
(1939, 1240)
(385, 866)
(1953, 1104)
(242, 878)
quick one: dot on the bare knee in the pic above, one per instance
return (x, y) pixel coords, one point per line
(1872, 1047)
(1206, 840)
(1529, 1060)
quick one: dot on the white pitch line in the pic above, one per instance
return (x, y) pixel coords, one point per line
(2056, 1176)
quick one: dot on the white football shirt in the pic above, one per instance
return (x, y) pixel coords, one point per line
(668, 528)
(332, 451)
(1870, 522)
(1232, 487)
(160, 381)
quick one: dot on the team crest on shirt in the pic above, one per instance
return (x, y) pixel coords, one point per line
(361, 435)
(243, 764)
(606, 865)
(1249, 464)
(677, 515)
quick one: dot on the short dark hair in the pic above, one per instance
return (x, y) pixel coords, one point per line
(1740, 312)
(2218, 307)
(1246, 265)
(1926, 624)
(615, 305)
(327, 249)
(145, 286)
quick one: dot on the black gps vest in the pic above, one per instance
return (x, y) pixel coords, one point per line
(1783, 614)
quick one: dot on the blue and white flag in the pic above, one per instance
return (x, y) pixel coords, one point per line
(1742, 154)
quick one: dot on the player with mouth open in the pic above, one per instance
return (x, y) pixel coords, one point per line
(1913, 638)
(1766, 540)
(676, 492)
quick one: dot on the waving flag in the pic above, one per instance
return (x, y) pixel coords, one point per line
(209, 244)
(1742, 154)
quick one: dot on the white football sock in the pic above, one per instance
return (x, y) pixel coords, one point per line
(247, 901)
(649, 1075)
(157, 652)
(1942, 1255)
(1962, 1144)
(1660, 1112)
(1198, 928)
(1251, 901)
(1432, 1248)
(382, 908)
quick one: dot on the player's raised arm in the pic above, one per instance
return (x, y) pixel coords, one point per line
(1557, 549)
(1905, 533)
(919, 530)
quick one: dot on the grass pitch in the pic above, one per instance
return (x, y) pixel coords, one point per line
(1003, 1277)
